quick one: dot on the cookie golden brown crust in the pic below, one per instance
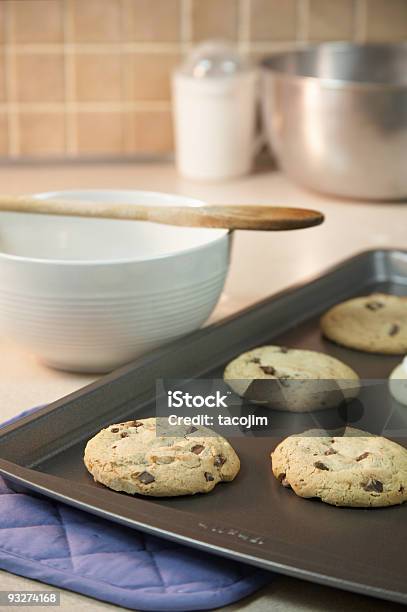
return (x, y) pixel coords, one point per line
(375, 324)
(131, 457)
(355, 470)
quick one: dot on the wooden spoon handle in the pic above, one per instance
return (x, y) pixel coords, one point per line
(246, 217)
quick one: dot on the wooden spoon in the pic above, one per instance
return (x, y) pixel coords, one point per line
(244, 217)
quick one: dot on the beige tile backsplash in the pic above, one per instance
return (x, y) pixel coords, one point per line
(39, 78)
(2, 80)
(99, 132)
(330, 20)
(91, 77)
(273, 20)
(147, 76)
(152, 21)
(2, 22)
(3, 134)
(98, 77)
(41, 133)
(386, 20)
(214, 19)
(93, 21)
(36, 22)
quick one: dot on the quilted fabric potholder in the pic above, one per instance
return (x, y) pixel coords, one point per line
(65, 547)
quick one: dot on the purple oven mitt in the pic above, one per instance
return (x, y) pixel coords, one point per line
(71, 549)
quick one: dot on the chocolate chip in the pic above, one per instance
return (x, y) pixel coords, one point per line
(136, 424)
(373, 485)
(284, 382)
(331, 451)
(197, 449)
(219, 460)
(283, 349)
(374, 305)
(124, 434)
(362, 456)
(321, 466)
(283, 480)
(285, 483)
(114, 446)
(394, 329)
(191, 429)
(254, 360)
(208, 477)
(114, 430)
(268, 370)
(401, 489)
(146, 478)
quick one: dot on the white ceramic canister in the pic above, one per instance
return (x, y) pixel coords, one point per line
(398, 382)
(214, 102)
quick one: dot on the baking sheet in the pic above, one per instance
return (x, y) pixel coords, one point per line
(252, 519)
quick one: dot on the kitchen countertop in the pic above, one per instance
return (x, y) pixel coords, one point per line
(261, 264)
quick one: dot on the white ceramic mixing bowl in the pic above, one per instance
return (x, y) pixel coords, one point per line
(91, 294)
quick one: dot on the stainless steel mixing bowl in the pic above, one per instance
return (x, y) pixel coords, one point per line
(336, 118)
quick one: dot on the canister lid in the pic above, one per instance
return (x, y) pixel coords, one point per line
(214, 59)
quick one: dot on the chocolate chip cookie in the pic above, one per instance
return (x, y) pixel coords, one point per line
(134, 458)
(292, 380)
(374, 324)
(357, 469)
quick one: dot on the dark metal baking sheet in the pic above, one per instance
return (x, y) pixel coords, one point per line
(252, 519)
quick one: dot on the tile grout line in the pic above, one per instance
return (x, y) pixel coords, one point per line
(243, 33)
(124, 132)
(186, 34)
(67, 80)
(11, 87)
(275, 47)
(187, 29)
(127, 79)
(360, 21)
(71, 144)
(59, 107)
(71, 47)
(303, 10)
(186, 24)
